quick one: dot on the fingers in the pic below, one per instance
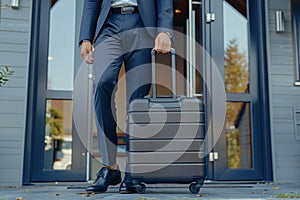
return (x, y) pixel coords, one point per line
(86, 52)
(162, 43)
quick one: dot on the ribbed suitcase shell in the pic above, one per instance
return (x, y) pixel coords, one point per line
(166, 144)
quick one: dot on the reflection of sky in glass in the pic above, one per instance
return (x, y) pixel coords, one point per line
(61, 46)
(235, 27)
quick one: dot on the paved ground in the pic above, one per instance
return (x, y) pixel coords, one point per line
(75, 191)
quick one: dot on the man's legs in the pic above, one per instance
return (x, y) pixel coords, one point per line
(117, 45)
(107, 64)
(114, 47)
(104, 111)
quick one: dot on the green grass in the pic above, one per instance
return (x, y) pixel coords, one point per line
(288, 195)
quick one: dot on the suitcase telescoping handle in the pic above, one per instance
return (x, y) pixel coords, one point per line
(154, 91)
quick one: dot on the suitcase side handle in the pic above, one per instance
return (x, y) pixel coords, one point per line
(173, 56)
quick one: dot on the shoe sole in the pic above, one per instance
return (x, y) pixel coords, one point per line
(131, 190)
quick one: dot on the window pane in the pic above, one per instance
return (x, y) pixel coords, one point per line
(236, 46)
(58, 136)
(238, 135)
(61, 45)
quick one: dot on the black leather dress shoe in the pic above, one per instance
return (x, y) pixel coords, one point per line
(127, 186)
(105, 177)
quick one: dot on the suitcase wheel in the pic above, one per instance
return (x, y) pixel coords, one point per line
(195, 188)
(141, 188)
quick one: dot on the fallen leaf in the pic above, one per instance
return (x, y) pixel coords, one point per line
(26, 191)
(19, 198)
(57, 194)
(90, 194)
(81, 193)
(264, 192)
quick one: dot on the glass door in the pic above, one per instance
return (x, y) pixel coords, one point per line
(238, 153)
(58, 154)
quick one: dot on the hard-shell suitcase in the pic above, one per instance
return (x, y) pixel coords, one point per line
(166, 138)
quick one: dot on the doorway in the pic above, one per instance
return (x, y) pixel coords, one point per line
(241, 152)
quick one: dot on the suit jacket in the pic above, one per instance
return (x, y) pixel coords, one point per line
(154, 13)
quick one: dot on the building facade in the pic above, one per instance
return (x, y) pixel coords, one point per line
(46, 122)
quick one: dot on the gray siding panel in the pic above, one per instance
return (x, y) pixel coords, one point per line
(21, 14)
(284, 96)
(283, 90)
(13, 161)
(282, 60)
(285, 113)
(282, 70)
(290, 100)
(14, 58)
(14, 25)
(9, 176)
(12, 107)
(8, 144)
(284, 132)
(280, 39)
(279, 49)
(11, 151)
(7, 37)
(17, 94)
(10, 133)
(14, 52)
(11, 120)
(282, 80)
(20, 48)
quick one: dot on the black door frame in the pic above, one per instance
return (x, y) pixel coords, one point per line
(35, 119)
(262, 147)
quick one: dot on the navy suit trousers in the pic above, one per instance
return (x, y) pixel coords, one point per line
(122, 39)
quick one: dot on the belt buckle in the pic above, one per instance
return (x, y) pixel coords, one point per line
(127, 10)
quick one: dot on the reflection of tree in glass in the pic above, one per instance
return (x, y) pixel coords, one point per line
(236, 81)
(233, 148)
(236, 69)
(55, 121)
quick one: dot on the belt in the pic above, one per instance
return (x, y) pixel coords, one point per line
(125, 10)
